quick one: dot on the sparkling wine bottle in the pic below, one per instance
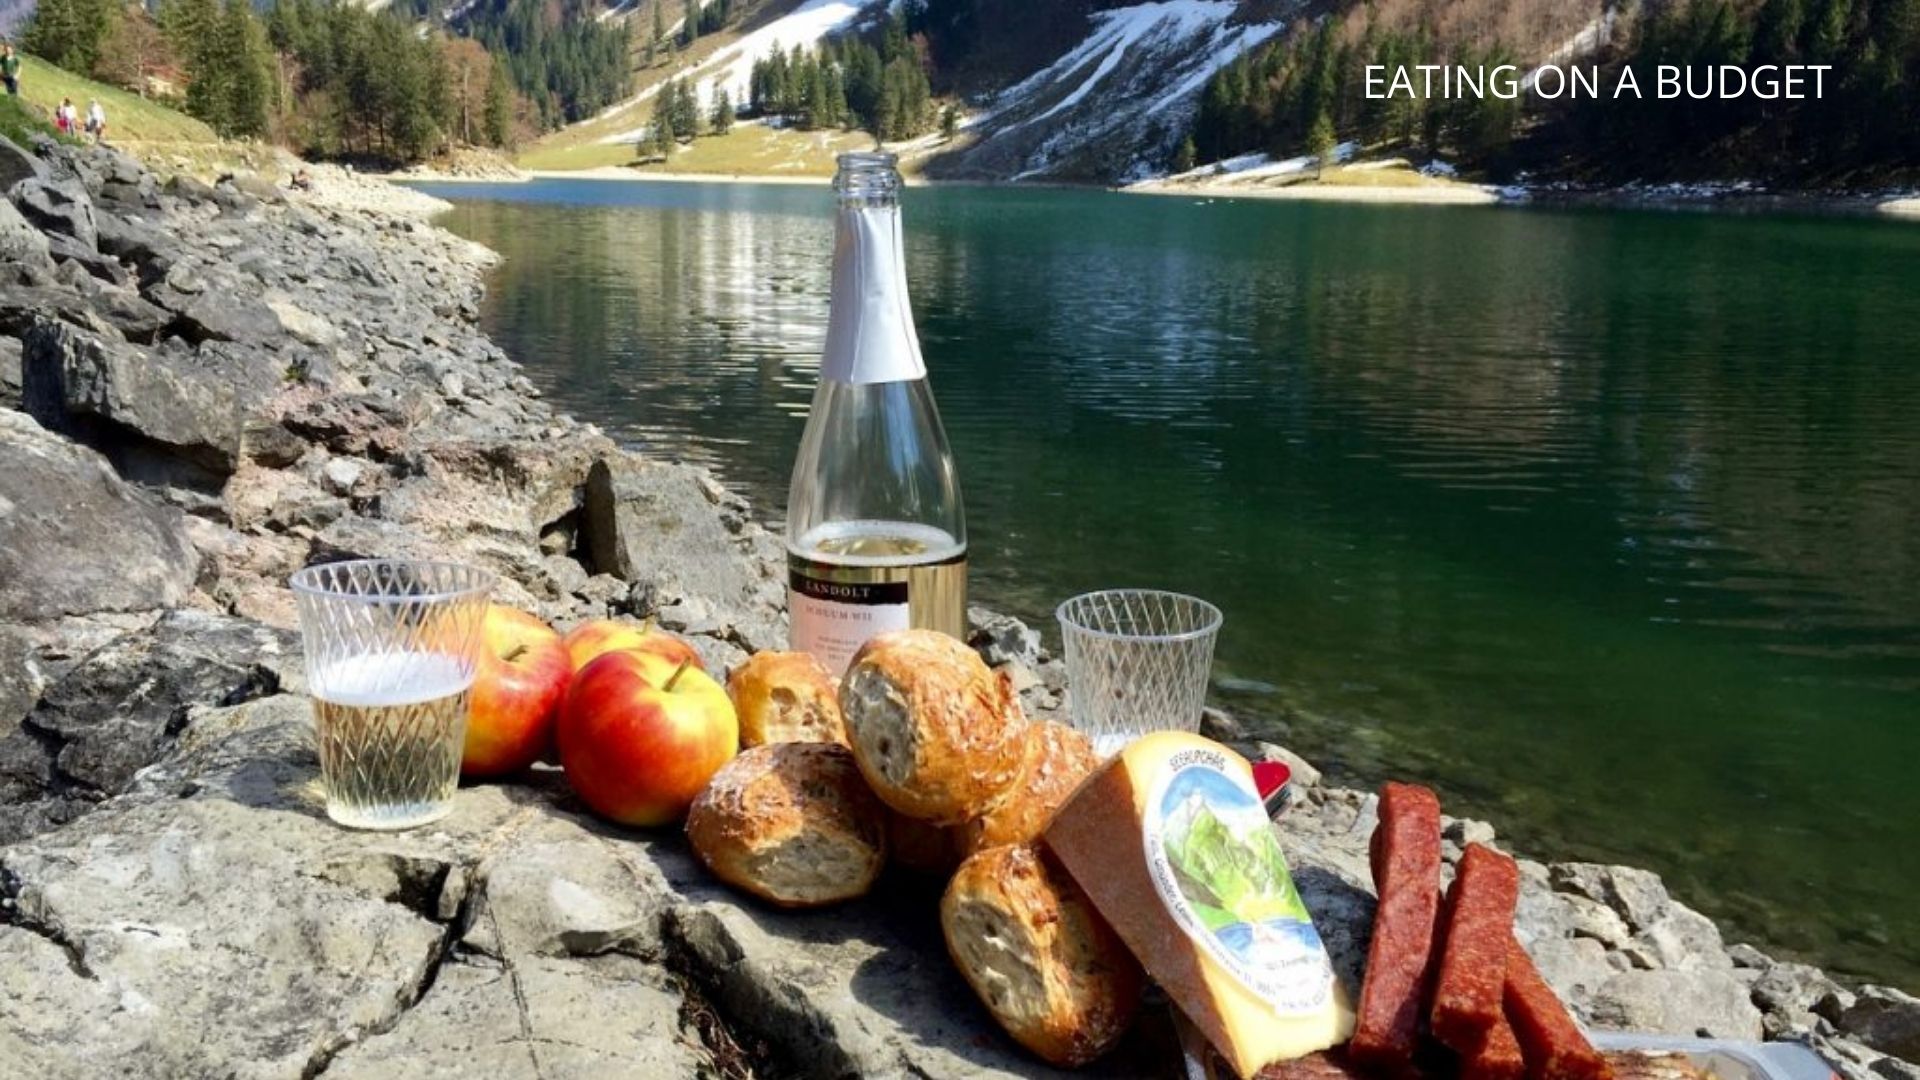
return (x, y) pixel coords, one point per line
(876, 538)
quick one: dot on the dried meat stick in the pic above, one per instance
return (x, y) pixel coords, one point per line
(1555, 1047)
(1498, 1057)
(1469, 991)
(1406, 874)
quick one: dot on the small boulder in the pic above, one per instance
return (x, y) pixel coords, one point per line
(1886, 1019)
(1709, 1004)
(17, 163)
(59, 206)
(75, 539)
(20, 240)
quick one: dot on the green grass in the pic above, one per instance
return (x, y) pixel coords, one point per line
(19, 120)
(747, 150)
(130, 118)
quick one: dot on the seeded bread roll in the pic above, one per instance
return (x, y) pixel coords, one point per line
(785, 697)
(1045, 964)
(936, 733)
(791, 823)
(1058, 758)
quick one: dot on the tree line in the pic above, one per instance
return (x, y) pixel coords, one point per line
(559, 54)
(851, 83)
(1306, 91)
(326, 79)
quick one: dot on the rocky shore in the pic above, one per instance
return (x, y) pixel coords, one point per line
(205, 387)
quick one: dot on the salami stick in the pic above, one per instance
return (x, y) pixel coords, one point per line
(1406, 874)
(1498, 1057)
(1469, 993)
(1555, 1047)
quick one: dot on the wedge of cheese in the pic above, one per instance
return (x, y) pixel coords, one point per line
(1170, 841)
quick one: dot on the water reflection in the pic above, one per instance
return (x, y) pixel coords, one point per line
(1607, 523)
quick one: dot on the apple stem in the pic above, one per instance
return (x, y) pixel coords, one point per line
(518, 652)
(675, 677)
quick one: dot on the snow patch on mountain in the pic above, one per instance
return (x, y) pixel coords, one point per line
(1113, 106)
(732, 67)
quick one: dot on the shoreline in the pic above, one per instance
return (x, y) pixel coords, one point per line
(1704, 197)
(378, 420)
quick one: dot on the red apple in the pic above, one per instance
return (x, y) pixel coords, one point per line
(640, 736)
(517, 691)
(597, 637)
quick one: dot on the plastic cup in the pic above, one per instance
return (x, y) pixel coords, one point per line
(1138, 660)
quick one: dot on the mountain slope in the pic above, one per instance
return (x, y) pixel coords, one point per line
(1115, 105)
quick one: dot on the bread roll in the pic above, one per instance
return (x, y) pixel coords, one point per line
(785, 697)
(936, 733)
(1058, 759)
(1044, 963)
(791, 823)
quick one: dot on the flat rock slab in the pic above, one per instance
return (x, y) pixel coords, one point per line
(213, 922)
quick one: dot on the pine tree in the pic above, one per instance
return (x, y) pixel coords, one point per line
(686, 112)
(248, 81)
(659, 29)
(498, 120)
(1321, 143)
(1183, 158)
(722, 111)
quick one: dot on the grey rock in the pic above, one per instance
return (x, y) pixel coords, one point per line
(115, 712)
(189, 188)
(1220, 725)
(68, 251)
(209, 312)
(340, 475)
(242, 934)
(10, 373)
(1706, 1003)
(194, 402)
(1786, 994)
(57, 206)
(1636, 895)
(21, 679)
(1892, 1068)
(1886, 1019)
(58, 499)
(645, 521)
(17, 163)
(20, 241)
(1001, 639)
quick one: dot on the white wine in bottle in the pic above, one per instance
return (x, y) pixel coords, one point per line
(876, 538)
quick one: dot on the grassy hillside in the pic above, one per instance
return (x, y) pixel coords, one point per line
(130, 118)
(749, 149)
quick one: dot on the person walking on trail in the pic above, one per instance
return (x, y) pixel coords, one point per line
(96, 121)
(64, 116)
(10, 69)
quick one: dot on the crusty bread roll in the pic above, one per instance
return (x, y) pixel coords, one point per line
(922, 847)
(936, 733)
(1058, 758)
(1043, 961)
(785, 697)
(792, 823)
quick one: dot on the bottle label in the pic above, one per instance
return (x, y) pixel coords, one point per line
(870, 335)
(1213, 859)
(832, 619)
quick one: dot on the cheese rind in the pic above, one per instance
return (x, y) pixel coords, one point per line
(1170, 843)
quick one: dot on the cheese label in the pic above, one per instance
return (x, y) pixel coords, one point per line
(1213, 858)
